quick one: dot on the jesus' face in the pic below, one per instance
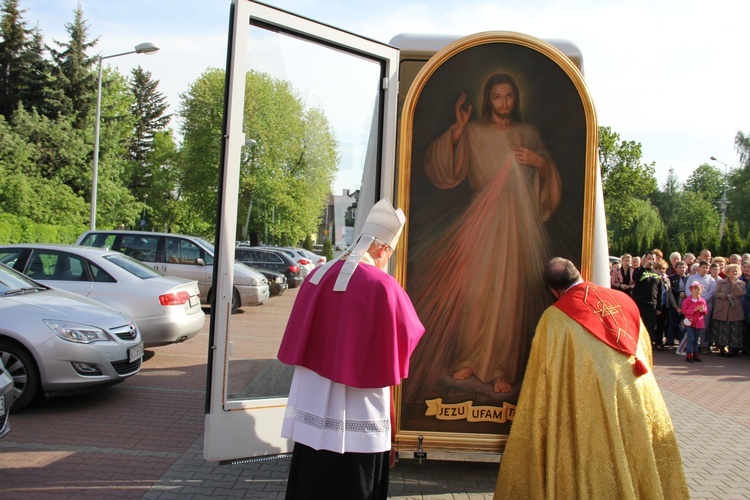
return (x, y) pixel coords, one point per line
(503, 100)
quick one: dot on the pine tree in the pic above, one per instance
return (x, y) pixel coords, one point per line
(38, 89)
(149, 110)
(13, 41)
(75, 77)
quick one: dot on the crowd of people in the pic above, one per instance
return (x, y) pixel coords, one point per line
(699, 305)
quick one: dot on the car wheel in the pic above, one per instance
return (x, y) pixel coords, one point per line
(22, 368)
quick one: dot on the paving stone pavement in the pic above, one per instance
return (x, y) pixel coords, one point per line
(144, 438)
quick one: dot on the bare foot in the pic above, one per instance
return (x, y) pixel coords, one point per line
(500, 385)
(463, 373)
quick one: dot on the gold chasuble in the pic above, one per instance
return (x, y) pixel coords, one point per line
(589, 422)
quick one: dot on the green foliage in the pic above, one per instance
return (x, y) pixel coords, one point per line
(738, 191)
(37, 161)
(647, 229)
(149, 110)
(13, 42)
(308, 243)
(625, 178)
(626, 183)
(707, 181)
(285, 177)
(667, 201)
(327, 248)
(14, 229)
(699, 227)
(732, 242)
(74, 79)
(201, 110)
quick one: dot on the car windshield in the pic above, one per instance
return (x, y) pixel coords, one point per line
(208, 246)
(13, 282)
(132, 266)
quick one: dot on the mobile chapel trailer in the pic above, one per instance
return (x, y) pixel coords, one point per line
(385, 104)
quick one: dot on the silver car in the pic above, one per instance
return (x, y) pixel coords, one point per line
(53, 341)
(6, 399)
(166, 308)
(184, 256)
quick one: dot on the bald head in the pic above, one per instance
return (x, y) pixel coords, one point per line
(560, 274)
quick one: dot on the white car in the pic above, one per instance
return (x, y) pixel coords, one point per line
(184, 256)
(53, 341)
(305, 258)
(166, 309)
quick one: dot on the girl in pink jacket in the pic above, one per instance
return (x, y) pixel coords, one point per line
(694, 309)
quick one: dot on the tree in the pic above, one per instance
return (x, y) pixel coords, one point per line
(74, 77)
(292, 165)
(739, 185)
(149, 110)
(700, 224)
(13, 41)
(37, 86)
(707, 181)
(308, 244)
(667, 202)
(201, 108)
(115, 203)
(285, 176)
(732, 242)
(327, 248)
(25, 189)
(625, 180)
(25, 74)
(646, 230)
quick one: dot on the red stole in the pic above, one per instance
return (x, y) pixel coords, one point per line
(608, 315)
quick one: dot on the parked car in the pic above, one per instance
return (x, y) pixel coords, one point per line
(276, 281)
(316, 259)
(188, 257)
(6, 399)
(53, 341)
(166, 308)
(272, 259)
(305, 262)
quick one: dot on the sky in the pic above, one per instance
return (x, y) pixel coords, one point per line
(670, 75)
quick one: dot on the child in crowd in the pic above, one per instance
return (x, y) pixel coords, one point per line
(694, 309)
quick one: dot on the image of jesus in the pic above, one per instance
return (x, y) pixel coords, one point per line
(485, 292)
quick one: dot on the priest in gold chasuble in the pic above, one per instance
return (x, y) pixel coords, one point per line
(591, 421)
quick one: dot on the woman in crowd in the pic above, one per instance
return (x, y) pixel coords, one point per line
(745, 268)
(689, 260)
(636, 262)
(614, 268)
(667, 299)
(623, 279)
(728, 318)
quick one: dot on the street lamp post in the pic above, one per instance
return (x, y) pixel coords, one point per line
(723, 202)
(141, 48)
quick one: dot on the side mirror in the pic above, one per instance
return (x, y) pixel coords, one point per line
(200, 261)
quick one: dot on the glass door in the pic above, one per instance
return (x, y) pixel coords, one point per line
(308, 147)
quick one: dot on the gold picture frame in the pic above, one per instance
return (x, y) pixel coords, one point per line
(436, 408)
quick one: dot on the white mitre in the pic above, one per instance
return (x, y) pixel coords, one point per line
(384, 223)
